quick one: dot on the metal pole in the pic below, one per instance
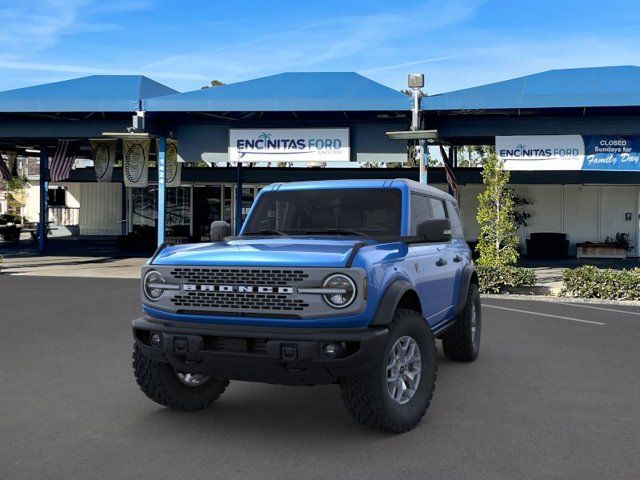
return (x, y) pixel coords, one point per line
(124, 229)
(421, 152)
(415, 112)
(238, 197)
(162, 187)
(44, 199)
(424, 160)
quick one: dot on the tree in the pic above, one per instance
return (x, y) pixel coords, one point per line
(16, 193)
(412, 158)
(214, 83)
(474, 155)
(498, 242)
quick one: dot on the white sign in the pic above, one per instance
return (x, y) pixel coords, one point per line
(136, 162)
(541, 152)
(289, 145)
(104, 157)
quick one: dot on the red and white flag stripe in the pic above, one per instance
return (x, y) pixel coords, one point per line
(62, 160)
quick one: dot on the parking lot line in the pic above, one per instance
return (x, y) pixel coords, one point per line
(598, 308)
(543, 314)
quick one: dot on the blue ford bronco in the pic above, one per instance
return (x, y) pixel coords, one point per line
(346, 282)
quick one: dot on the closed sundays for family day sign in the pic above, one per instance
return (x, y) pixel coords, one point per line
(289, 145)
(569, 152)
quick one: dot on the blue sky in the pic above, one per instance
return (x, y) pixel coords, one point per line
(184, 44)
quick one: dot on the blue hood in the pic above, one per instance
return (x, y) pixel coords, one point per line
(262, 252)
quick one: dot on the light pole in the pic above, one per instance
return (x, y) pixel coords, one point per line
(416, 83)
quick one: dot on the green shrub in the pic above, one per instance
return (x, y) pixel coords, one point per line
(592, 282)
(10, 227)
(495, 279)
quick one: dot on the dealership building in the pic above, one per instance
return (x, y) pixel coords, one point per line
(570, 138)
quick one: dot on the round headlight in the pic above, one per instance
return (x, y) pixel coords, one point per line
(344, 290)
(150, 285)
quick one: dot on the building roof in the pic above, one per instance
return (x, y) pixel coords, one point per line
(285, 92)
(575, 87)
(96, 93)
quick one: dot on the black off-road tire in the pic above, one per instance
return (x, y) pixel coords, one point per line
(159, 382)
(459, 342)
(366, 397)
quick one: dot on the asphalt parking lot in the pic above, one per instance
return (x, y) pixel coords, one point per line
(555, 393)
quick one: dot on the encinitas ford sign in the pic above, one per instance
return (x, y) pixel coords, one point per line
(289, 145)
(541, 152)
(570, 152)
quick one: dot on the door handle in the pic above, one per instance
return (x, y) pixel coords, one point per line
(457, 258)
(441, 262)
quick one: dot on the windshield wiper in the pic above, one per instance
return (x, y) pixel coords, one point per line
(337, 231)
(267, 231)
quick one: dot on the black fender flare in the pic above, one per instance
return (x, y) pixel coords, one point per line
(468, 272)
(390, 300)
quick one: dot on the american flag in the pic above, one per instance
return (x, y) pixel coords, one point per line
(448, 171)
(62, 160)
(4, 170)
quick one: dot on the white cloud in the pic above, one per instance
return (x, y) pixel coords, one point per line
(30, 26)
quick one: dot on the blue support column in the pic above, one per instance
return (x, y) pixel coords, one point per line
(162, 188)
(238, 197)
(44, 199)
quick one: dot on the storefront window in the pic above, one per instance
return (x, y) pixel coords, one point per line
(144, 202)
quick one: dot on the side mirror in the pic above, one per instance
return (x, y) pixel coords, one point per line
(219, 230)
(435, 230)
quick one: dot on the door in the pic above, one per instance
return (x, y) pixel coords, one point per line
(207, 207)
(449, 261)
(432, 265)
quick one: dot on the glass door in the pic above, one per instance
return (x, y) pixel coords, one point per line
(208, 206)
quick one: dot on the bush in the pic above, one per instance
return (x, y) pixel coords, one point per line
(10, 227)
(494, 279)
(605, 283)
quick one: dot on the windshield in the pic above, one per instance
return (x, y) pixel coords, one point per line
(359, 211)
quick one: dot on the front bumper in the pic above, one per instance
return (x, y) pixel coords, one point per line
(289, 356)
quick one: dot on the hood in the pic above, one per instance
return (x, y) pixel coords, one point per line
(262, 252)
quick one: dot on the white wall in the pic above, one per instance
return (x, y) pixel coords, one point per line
(584, 213)
(615, 202)
(100, 208)
(31, 209)
(581, 222)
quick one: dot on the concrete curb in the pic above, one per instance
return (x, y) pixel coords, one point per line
(549, 298)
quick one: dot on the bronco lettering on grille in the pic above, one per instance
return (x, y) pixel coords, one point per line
(237, 289)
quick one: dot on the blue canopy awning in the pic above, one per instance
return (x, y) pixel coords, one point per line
(286, 92)
(96, 93)
(569, 88)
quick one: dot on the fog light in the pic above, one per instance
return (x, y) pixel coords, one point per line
(156, 339)
(331, 350)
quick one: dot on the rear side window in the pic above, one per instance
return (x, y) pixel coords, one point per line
(454, 217)
(420, 211)
(437, 207)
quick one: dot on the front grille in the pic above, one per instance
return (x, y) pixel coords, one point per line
(238, 301)
(256, 346)
(228, 276)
